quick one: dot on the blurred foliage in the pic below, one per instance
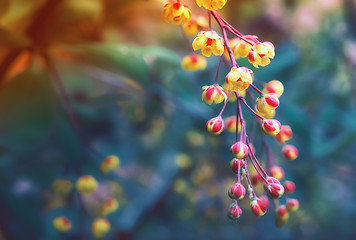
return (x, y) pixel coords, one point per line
(119, 64)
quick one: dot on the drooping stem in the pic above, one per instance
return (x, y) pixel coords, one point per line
(223, 108)
(249, 184)
(257, 90)
(218, 70)
(209, 14)
(253, 111)
(254, 158)
(256, 168)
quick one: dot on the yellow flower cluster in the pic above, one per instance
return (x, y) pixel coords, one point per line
(239, 79)
(86, 184)
(196, 24)
(109, 206)
(100, 227)
(261, 53)
(209, 42)
(176, 13)
(62, 224)
(110, 164)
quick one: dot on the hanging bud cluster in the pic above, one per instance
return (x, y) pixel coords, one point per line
(239, 84)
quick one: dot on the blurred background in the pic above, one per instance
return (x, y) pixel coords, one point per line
(81, 80)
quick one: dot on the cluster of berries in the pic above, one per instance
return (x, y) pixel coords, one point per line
(236, 87)
(87, 185)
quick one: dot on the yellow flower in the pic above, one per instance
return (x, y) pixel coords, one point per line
(232, 97)
(244, 48)
(176, 13)
(193, 62)
(239, 79)
(209, 42)
(211, 4)
(100, 227)
(213, 93)
(109, 164)
(196, 24)
(261, 53)
(62, 224)
(86, 184)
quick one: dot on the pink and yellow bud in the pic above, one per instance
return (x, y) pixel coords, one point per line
(236, 164)
(282, 213)
(285, 134)
(213, 93)
(267, 102)
(209, 42)
(86, 184)
(193, 62)
(277, 172)
(110, 163)
(176, 13)
(215, 125)
(261, 53)
(211, 4)
(239, 150)
(256, 179)
(290, 152)
(231, 124)
(271, 127)
(239, 79)
(237, 191)
(274, 189)
(196, 24)
(100, 227)
(62, 224)
(292, 205)
(62, 186)
(289, 187)
(267, 114)
(109, 206)
(259, 206)
(274, 86)
(244, 48)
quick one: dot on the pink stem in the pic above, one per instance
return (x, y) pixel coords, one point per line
(227, 99)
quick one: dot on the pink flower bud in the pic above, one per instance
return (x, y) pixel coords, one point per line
(267, 102)
(259, 206)
(237, 191)
(235, 164)
(234, 211)
(271, 127)
(215, 125)
(274, 189)
(289, 187)
(274, 86)
(285, 134)
(213, 93)
(277, 172)
(239, 150)
(292, 204)
(256, 179)
(282, 212)
(290, 152)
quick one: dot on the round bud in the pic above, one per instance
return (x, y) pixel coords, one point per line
(109, 206)
(234, 211)
(274, 86)
(86, 184)
(259, 206)
(62, 224)
(282, 212)
(285, 134)
(289, 187)
(215, 125)
(235, 164)
(100, 227)
(271, 127)
(273, 189)
(277, 172)
(231, 124)
(292, 204)
(267, 114)
(290, 152)
(267, 102)
(110, 163)
(239, 150)
(213, 93)
(256, 179)
(237, 191)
